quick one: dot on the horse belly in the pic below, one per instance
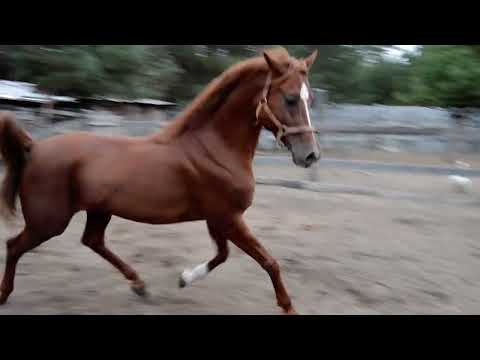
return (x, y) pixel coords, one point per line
(153, 206)
(142, 193)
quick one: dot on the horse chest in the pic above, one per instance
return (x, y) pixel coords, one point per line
(237, 193)
(242, 196)
(223, 182)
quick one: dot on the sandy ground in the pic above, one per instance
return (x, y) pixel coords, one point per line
(340, 254)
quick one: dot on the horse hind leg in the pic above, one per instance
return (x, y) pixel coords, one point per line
(202, 270)
(94, 238)
(16, 247)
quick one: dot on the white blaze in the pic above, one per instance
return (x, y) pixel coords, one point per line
(304, 95)
(198, 273)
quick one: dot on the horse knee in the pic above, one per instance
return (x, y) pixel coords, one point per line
(271, 266)
(86, 241)
(92, 242)
(92, 239)
(13, 248)
(11, 244)
(10, 249)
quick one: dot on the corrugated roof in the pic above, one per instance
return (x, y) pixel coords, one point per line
(136, 101)
(23, 91)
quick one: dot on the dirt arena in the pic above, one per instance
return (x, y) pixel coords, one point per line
(340, 254)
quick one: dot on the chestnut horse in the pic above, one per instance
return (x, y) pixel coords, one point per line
(199, 167)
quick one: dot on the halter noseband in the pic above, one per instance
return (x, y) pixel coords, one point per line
(283, 130)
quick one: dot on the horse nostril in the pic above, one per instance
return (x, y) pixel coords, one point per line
(311, 158)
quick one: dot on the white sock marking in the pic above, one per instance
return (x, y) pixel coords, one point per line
(198, 273)
(304, 95)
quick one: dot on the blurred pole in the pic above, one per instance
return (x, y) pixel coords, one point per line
(457, 134)
(313, 173)
(48, 111)
(319, 114)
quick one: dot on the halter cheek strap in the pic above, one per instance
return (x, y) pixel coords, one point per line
(282, 130)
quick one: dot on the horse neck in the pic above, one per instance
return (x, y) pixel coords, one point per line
(235, 122)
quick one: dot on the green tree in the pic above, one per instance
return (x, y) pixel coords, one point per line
(340, 69)
(199, 64)
(6, 67)
(383, 82)
(87, 70)
(445, 75)
(351, 73)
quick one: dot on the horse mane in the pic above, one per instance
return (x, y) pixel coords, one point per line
(218, 90)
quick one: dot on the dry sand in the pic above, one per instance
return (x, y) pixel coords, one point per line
(339, 253)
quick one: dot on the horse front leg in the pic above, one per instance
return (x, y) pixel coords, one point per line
(201, 271)
(241, 236)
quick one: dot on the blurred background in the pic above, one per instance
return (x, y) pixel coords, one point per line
(386, 223)
(369, 97)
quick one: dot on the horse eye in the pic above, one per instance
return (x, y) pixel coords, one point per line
(292, 100)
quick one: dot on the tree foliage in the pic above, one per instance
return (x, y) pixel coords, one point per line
(87, 70)
(440, 75)
(445, 75)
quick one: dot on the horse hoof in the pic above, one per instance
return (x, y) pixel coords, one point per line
(290, 311)
(3, 299)
(139, 288)
(181, 282)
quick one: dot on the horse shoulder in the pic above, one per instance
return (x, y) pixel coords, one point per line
(243, 190)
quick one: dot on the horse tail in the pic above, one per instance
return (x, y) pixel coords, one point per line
(15, 144)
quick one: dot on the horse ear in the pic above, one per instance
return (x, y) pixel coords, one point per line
(309, 61)
(275, 66)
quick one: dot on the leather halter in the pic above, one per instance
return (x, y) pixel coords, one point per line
(283, 130)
